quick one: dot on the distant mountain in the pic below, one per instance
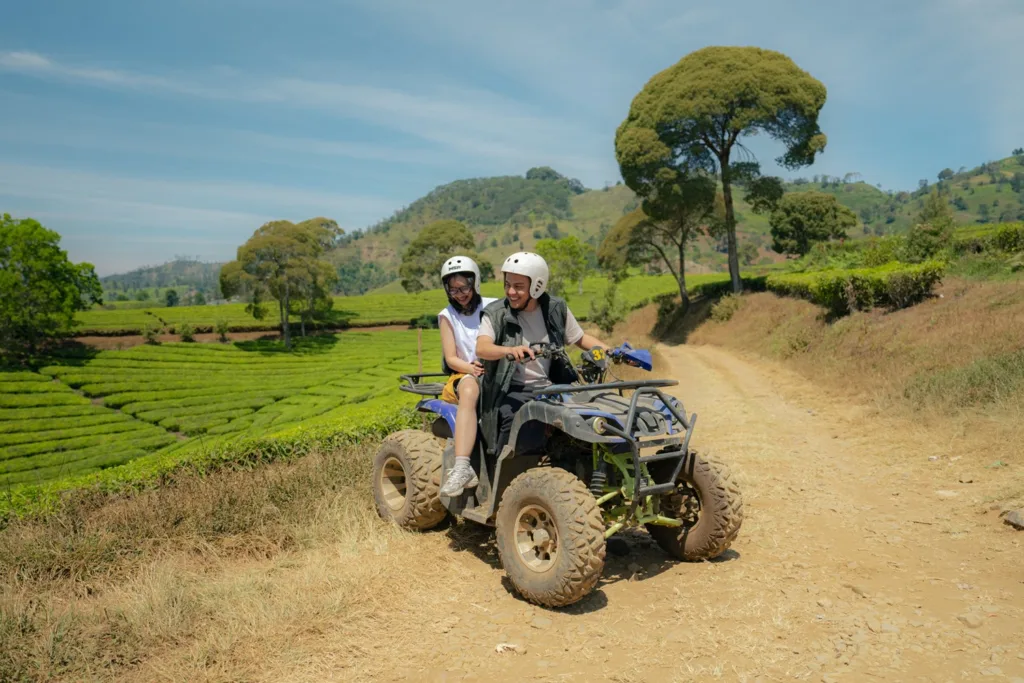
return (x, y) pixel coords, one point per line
(181, 272)
(990, 193)
(507, 213)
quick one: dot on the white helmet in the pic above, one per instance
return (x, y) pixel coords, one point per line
(462, 264)
(532, 266)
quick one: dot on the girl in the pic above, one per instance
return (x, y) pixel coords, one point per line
(459, 323)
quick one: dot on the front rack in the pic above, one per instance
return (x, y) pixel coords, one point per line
(640, 492)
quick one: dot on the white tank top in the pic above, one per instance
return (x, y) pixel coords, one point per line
(465, 328)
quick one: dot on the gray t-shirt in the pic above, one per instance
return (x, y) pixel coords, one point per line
(535, 373)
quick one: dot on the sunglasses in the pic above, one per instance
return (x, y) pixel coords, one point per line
(460, 290)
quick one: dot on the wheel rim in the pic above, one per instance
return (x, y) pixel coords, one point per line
(392, 483)
(536, 538)
(684, 504)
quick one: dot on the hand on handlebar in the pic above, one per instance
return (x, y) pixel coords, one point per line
(519, 353)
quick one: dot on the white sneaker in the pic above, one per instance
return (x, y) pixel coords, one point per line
(461, 477)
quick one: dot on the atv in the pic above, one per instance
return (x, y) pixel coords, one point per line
(584, 460)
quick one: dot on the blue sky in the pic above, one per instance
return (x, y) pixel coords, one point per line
(140, 130)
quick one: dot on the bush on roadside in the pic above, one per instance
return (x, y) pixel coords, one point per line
(894, 285)
(724, 309)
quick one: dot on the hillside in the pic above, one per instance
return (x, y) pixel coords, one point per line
(514, 212)
(180, 274)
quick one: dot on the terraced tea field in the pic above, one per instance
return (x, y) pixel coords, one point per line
(81, 414)
(369, 309)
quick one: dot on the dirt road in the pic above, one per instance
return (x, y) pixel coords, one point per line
(860, 559)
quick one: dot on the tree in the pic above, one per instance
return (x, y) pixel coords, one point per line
(436, 243)
(41, 289)
(275, 263)
(608, 310)
(567, 258)
(936, 212)
(804, 218)
(693, 115)
(171, 298)
(543, 173)
(1018, 152)
(946, 174)
(314, 279)
(748, 253)
(662, 226)
(199, 299)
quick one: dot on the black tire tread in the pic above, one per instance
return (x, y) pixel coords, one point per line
(721, 514)
(420, 453)
(581, 535)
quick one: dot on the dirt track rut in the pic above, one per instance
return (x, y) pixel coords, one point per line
(859, 559)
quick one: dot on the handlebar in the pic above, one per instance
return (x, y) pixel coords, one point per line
(542, 350)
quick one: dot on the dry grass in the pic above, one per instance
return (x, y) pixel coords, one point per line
(208, 580)
(954, 364)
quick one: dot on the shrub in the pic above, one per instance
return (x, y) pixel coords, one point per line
(425, 321)
(221, 328)
(187, 332)
(152, 331)
(881, 250)
(725, 308)
(894, 285)
(926, 241)
(1009, 238)
(609, 310)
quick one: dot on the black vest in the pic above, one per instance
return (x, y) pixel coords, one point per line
(509, 332)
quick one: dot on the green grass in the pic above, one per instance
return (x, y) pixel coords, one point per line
(80, 415)
(982, 382)
(365, 310)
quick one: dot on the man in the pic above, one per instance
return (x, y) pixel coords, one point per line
(527, 315)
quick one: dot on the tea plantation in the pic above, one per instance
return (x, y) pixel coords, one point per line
(84, 413)
(356, 311)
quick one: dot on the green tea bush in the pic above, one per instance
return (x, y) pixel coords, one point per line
(152, 331)
(222, 328)
(894, 285)
(177, 396)
(187, 332)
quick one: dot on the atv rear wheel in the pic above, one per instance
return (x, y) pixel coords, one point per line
(407, 480)
(550, 537)
(709, 503)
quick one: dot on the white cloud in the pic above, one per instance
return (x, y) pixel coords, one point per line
(474, 124)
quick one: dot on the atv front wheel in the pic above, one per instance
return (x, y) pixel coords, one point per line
(407, 480)
(550, 537)
(707, 501)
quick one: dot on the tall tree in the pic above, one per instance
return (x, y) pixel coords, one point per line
(40, 289)
(436, 243)
(567, 258)
(804, 218)
(668, 219)
(314, 279)
(694, 114)
(275, 263)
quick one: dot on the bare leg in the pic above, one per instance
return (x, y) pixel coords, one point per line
(462, 475)
(465, 420)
